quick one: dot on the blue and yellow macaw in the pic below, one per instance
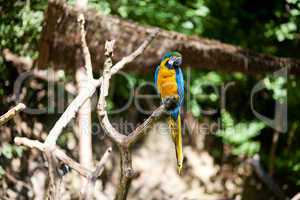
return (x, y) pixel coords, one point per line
(170, 85)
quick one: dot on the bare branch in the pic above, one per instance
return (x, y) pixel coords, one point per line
(135, 54)
(141, 129)
(11, 113)
(56, 152)
(85, 49)
(101, 107)
(86, 192)
(49, 147)
(296, 197)
(22, 62)
(48, 75)
(123, 141)
(84, 114)
(71, 110)
(26, 64)
(101, 163)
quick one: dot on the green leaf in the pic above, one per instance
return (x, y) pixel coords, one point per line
(227, 120)
(7, 151)
(196, 111)
(188, 25)
(18, 150)
(248, 148)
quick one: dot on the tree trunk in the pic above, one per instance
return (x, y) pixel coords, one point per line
(84, 125)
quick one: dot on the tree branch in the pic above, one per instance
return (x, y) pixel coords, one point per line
(85, 49)
(296, 197)
(26, 64)
(59, 36)
(84, 114)
(122, 141)
(91, 86)
(102, 113)
(49, 148)
(86, 192)
(70, 112)
(11, 113)
(141, 129)
(58, 153)
(21, 62)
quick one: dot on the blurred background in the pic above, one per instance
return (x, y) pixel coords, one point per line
(242, 158)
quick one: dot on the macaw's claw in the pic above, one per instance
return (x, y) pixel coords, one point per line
(179, 169)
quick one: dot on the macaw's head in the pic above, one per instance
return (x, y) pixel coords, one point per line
(172, 59)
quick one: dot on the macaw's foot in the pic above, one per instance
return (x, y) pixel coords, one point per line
(171, 102)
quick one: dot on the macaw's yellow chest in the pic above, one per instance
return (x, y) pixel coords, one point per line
(166, 82)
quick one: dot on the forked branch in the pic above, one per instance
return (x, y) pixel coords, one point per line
(122, 141)
(49, 148)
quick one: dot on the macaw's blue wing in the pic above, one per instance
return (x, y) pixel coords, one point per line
(155, 78)
(180, 85)
(180, 89)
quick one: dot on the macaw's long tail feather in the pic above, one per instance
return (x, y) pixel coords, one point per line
(175, 127)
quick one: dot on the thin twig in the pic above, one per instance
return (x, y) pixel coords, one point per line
(85, 49)
(11, 113)
(118, 66)
(22, 62)
(100, 165)
(86, 192)
(141, 129)
(70, 112)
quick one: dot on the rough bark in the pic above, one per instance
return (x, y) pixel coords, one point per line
(60, 45)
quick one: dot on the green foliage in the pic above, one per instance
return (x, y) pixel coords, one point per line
(20, 26)
(286, 30)
(277, 86)
(9, 151)
(159, 13)
(204, 88)
(240, 135)
(290, 162)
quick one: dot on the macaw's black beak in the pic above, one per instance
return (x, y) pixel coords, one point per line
(175, 61)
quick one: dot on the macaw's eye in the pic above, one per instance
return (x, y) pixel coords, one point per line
(170, 63)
